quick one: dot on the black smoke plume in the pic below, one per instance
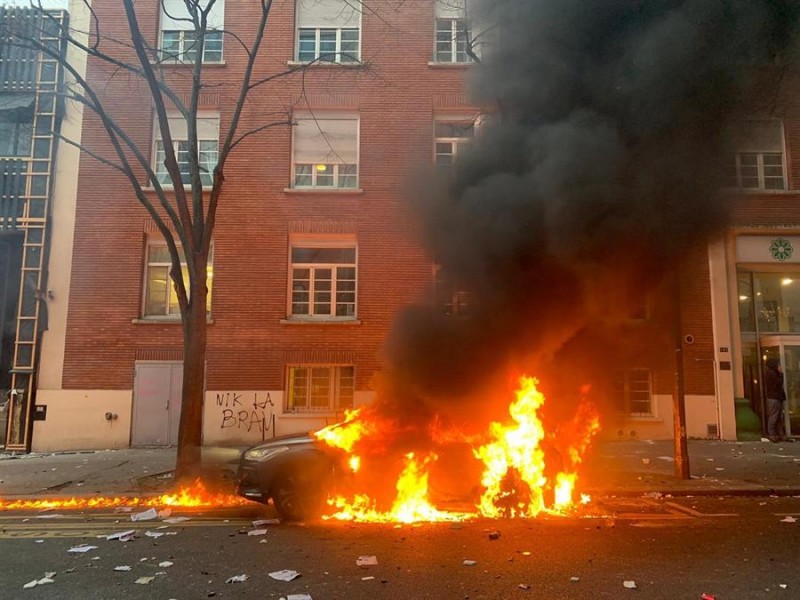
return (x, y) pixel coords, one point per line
(596, 170)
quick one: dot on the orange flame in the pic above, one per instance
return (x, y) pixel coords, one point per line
(195, 495)
(517, 480)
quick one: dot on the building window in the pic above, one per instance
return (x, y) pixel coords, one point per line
(449, 138)
(634, 391)
(754, 160)
(182, 46)
(328, 31)
(322, 388)
(179, 38)
(160, 298)
(323, 281)
(454, 34)
(16, 124)
(325, 152)
(451, 299)
(207, 144)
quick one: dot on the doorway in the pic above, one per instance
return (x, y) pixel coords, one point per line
(157, 390)
(787, 350)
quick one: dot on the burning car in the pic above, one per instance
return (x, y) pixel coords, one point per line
(294, 471)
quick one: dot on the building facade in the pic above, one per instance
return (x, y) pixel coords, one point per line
(315, 248)
(31, 111)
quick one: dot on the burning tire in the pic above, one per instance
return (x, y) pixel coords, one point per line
(299, 494)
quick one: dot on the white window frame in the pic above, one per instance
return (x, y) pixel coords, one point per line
(452, 57)
(741, 145)
(330, 165)
(761, 171)
(325, 242)
(628, 382)
(179, 57)
(174, 18)
(335, 377)
(159, 169)
(338, 56)
(330, 16)
(456, 143)
(170, 292)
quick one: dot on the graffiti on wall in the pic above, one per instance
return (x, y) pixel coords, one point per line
(248, 412)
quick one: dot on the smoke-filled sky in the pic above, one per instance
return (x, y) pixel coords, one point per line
(597, 170)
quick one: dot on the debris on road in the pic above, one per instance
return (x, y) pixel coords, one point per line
(154, 534)
(175, 520)
(494, 535)
(708, 597)
(48, 578)
(237, 579)
(298, 597)
(574, 579)
(524, 586)
(284, 575)
(81, 549)
(788, 519)
(122, 536)
(260, 522)
(147, 515)
(257, 532)
(144, 580)
(123, 509)
(364, 561)
(631, 585)
(122, 568)
(469, 563)
(164, 564)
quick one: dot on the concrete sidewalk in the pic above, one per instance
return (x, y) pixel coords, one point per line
(612, 468)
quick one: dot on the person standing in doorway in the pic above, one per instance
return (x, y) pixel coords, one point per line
(776, 398)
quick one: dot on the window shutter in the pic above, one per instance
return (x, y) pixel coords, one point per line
(207, 128)
(326, 141)
(450, 9)
(327, 13)
(755, 136)
(174, 15)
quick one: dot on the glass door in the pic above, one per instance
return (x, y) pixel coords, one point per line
(787, 350)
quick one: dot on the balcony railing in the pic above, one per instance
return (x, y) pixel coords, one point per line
(18, 63)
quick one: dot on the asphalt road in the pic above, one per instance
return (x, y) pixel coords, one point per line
(729, 548)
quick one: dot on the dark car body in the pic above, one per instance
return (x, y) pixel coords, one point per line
(295, 473)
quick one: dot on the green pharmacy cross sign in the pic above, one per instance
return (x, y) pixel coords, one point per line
(781, 249)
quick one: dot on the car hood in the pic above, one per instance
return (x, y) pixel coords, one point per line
(294, 439)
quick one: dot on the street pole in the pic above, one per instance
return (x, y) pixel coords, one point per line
(679, 391)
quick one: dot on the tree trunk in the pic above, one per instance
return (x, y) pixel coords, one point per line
(190, 433)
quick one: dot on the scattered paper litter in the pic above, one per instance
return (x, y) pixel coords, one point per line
(260, 522)
(163, 514)
(119, 535)
(368, 578)
(164, 564)
(237, 579)
(123, 509)
(173, 520)
(147, 515)
(666, 458)
(40, 541)
(631, 585)
(765, 439)
(298, 597)
(524, 586)
(284, 575)
(81, 549)
(263, 542)
(783, 586)
(122, 568)
(363, 561)
(49, 516)
(574, 579)
(35, 582)
(788, 520)
(144, 580)
(469, 563)
(154, 534)
(257, 532)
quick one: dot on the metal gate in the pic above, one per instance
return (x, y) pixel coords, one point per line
(156, 403)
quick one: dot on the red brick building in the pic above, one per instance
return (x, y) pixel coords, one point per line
(315, 248)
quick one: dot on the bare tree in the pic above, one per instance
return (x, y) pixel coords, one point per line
(183, 202)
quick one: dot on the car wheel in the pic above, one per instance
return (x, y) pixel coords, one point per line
(298, 497)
